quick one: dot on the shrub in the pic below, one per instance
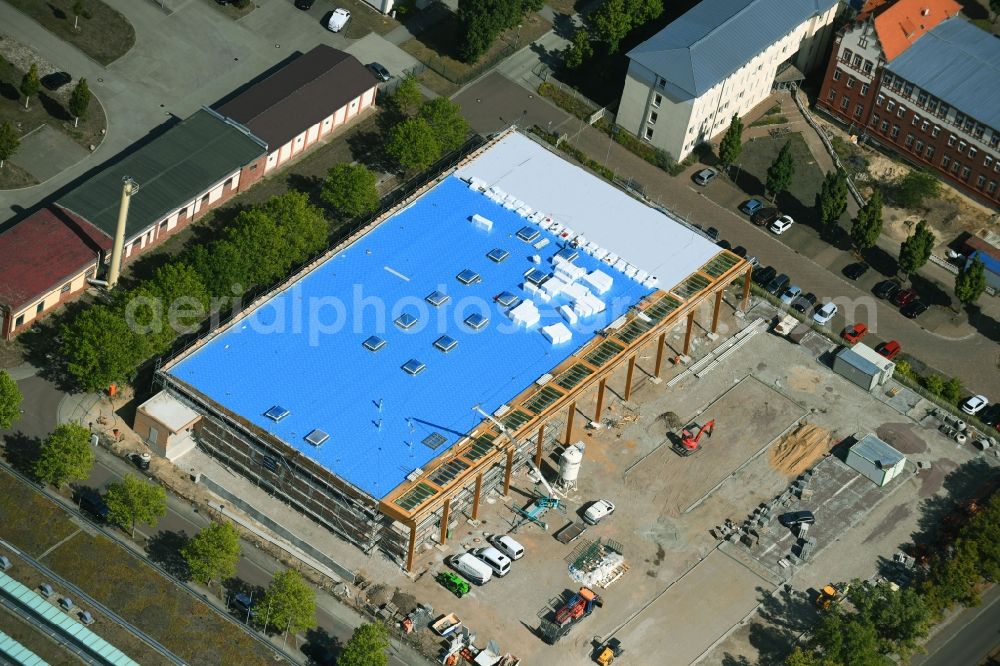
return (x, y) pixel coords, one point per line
(933, 383)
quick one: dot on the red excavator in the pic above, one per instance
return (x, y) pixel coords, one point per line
(688, 442)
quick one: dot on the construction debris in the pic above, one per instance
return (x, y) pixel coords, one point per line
(598, 564)
(799, 449)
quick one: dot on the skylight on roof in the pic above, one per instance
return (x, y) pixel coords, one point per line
(374, 343)
(507, 299)
(497, 254)
(568, 254)
(434, 440)
(528, 234)
(536, 276)
(317, 437)
(406, 321)
(277, 413)
(437, 298)
(468, 276)
(445, 343)
(413, 367)
(476, 321)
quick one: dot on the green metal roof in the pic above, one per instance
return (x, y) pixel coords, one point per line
(17, 653)
(171, 170)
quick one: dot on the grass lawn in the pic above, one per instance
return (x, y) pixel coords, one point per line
(13, 177)
(758, 155)
(104, 35)
(438, 83)
(364, 19)
(30, 522)
(436, 46)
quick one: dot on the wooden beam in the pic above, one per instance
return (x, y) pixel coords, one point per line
(746, 289)
(571, 412)
(687, 333)
(507, 470)
(600, 400)
(718, 308)
(538, 448)
(412, 547)
(661, 342)
(628, 377)
(445, 516)
(475, 498)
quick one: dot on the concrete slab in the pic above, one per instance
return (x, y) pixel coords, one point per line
(376, 48)
(47, 151)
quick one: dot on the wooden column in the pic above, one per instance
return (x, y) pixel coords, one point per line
(687, 333)
(661, 342)
(600, 401)
(411, 549)
(628, 377)
(445, 516)
(569, 421)
(538, 448)
(507, 470)
(746, 289)
(475, 498)
(718, 307)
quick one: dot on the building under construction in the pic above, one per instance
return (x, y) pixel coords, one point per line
(391, 384)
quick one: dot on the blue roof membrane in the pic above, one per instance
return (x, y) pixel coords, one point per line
(376, 414)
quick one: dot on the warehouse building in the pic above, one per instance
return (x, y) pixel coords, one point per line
(470, 320)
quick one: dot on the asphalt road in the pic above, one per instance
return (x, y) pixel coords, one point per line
(968, 639)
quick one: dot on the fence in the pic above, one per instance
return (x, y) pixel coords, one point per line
(464, 75)
(829, 148)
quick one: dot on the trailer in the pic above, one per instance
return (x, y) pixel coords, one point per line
(446, 624)
(570, 532)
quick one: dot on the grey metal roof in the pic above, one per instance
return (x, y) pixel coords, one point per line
(959, 63)
(717, 37)
(172, 169)
(874, 450)
(851, 357)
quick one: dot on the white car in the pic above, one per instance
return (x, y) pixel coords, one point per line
(598, 511)
(781, 225)
(973, 405)
(825, 313)
(507, 545)
(338, 19)
(791, 294)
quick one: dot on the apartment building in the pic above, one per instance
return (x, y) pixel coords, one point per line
(721, 57)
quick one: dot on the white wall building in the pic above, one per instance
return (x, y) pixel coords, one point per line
(722, 57)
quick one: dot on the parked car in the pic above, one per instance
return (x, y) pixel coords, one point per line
(507, 545)
(777, 284)
(305, 4)
(751, 206)
(793, 518)
(886, 289)
(740, 251)
(705, 176)
(781, 225)
(55, 80)
(973, 404)
(825, 313)
(765, 216)
(724, 244)
(889, 349)
(854, 332)
(855, 270)
(712, 233)
(991, 416)
(598, 511)
(338, 20)
(753, 261)
(91, 502)
(913, 309)
(904, 296)
(380, 72)
(804, 303)
(764, 275)
(494, 559)
(791, 294)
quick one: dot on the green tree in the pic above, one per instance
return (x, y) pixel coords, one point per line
(366, 647)
(732, 142)
(221, 267)
(802, 657)
(412, 145)
(10, 400)
(847, 639)
(970, 283)
(135, 500)
(446, 122)
(100, 349)
(779, 174)
(952, 390)
(867, 225)
(185, 297)
(407, 98)
(289, 602)
(79, 101)
(916, 249)
(78, 10)
(953, 578)
(611, 22)
(65, 455)
(480, 22)
(913, 189)
(9, 142)
(900, 617)
(30, 84)
(579, 49)
(831, 200)
(213, 553)
(351, 190)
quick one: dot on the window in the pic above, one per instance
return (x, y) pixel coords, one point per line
(887, 79)
(890, 106)
(909, 140)
(660, 82)
(961, 146)
(856, 63)
(19, 321)
(952, 140)
(980, 182)
(65, 288)
(846, 57)
(924, 125)
(163, 225)
(901, 111)
(922, 98)
(943, 110)
(885, 125)
(945, 161)
(836, 75)
(879, 99)
(204, 200)
(929, 152)
(183, 212)
(40, 308)
(844, 102)
(875, 119)
(657, 100)
(908, 90)
(916, 120)
(980, 130)
(987, 160)
(996, 166)
(994, 139)
(652, 117)
(932, 105)
(919, 146)
(895, 131)
(935, 131)
(897, 84)
(965, 173)
(868, 67)
(649, 133)
(864, 88)
(850, 81)
(832, 95)
(992, 187)
(955, 166)
(972, 151)
(968, 124)
(858, 110)
(959, 119)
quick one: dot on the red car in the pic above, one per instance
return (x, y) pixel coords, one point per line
(854, 332)
(889, 349)
(904, 297)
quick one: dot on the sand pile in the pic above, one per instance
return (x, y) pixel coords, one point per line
(799, 449)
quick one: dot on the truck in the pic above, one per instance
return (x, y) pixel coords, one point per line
(577, 607)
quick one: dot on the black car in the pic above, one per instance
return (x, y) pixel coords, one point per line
(854, 271)
(765, 216)
(777, 284)
(740, 251)
(913, 309)
(764, 275)
(304, 4)
(380, 72)
(886, 289)
(793, 518)
(55, 80)
(804, 302)
(712, 233)
(724, 244)
(991, 415)
(91, 502)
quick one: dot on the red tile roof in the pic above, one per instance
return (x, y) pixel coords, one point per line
(43, 251)
(899, 24)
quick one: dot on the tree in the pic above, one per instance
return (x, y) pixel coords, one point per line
(290, 602)
(351, 190)
(9, 142)
(579, 49)
(732, 142)
(995, 6)
(213, 553)
(832, 200)
(79, 101)
(970, 283)
(65, 455)
(914, 188)
(78, 10)
(480, 22)
(916, 249)
(412, 145)
(847, 639)
(100, 349)
(366, 647)
(407, 98)
(900, 617)
(779, 174)
(134, 500)
(30, 84)
(446, 122)
(611, 22)
(868, 224)
(10, 400)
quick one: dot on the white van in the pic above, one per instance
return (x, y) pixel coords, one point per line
(496, 560)
(506, 545)
(472, 568)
